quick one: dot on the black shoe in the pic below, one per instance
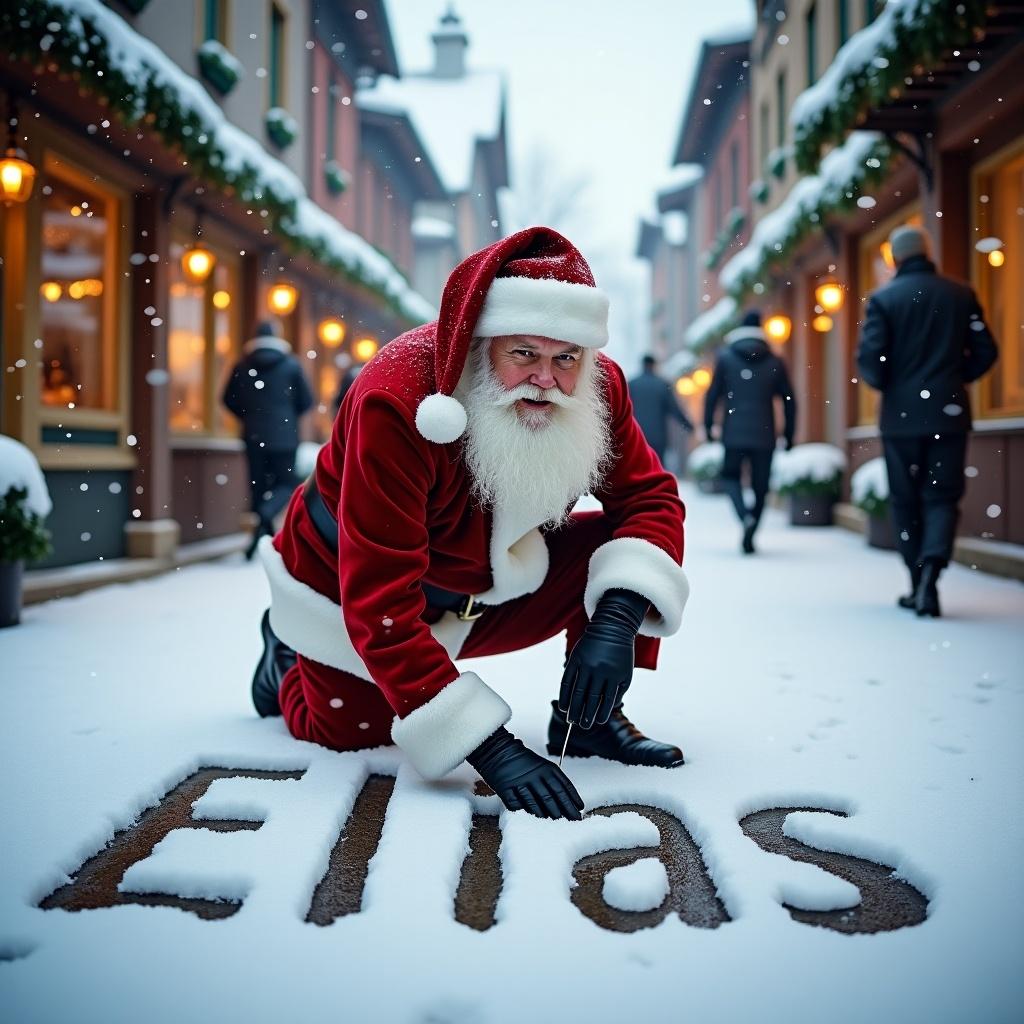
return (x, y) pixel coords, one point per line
(748, 536)
(910, 600)
(277, 658)
(618, 740)
(926, 597)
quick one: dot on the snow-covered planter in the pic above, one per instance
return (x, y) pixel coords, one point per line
(338, 179)
(704, 464)
(775, 162)
(811, 475)
(869, 489)
(759, 191)
(24, 504)
(282, 128)
(219, 66)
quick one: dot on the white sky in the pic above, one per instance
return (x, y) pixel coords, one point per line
(599, 85)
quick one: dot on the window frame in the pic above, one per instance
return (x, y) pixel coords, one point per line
(277, 57)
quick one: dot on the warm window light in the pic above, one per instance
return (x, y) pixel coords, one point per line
(51, 291)
(685, 387)
(996, 258)
(197, 263)
(331, 332)
(282, 298)
(702, 377)
(778, 327)
(886, 250)
(829, 295)
(822, 323)
(365, 349)
(221, 299)
(91, 287)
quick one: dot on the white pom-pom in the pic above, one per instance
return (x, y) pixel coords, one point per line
(441, 419)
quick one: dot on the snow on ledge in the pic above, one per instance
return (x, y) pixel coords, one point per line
(432, 228)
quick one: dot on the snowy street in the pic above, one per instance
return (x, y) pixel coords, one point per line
(795, 682)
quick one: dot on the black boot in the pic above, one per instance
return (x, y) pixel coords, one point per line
(910, 600)
(618, 740)
(277, 658)
(926, 597)
(749, 526)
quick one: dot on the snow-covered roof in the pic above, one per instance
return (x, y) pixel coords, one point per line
(679, 176)
(144, 65)
(432, 227)
(714, 321)
(450, 114)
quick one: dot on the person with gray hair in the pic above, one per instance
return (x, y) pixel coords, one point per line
(923, 340)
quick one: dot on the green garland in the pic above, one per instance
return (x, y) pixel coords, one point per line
(79, 49)
(734, 222)
(936, 28)
(23, 538)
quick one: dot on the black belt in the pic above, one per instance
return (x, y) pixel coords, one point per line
(464, 605)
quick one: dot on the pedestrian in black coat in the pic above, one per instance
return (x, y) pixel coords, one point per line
(922, 341)
(654, 404)
(748, 378)
(268, 392)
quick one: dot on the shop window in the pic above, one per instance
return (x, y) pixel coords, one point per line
(999, 277)
(202, 346)
(76, 292)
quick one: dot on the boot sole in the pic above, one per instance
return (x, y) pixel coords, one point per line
(555, 751)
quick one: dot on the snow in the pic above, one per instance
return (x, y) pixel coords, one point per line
(432, 228)
(679, 176)
(450, 114)
(795, 681)
(840, 171)
(870, 481)
(141, 61)
(19, 468)
(706, 457)
(642, 885)
(858, 53)
(215, 48)
(816, 462)
(715, 321)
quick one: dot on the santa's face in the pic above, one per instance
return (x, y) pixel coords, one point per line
(545, 368)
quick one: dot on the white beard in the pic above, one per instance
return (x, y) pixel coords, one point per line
(541, 463)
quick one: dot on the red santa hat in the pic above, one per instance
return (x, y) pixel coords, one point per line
(533, 282)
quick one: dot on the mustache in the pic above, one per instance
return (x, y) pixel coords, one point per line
(505, 397)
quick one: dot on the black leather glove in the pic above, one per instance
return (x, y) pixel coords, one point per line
(600, 667)
(789, 444)
(523, 780)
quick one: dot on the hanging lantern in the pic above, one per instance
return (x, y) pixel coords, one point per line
(197, 263)
(996, 258)
(685, 387)
(702, 377)
(331, 332)
(51, 291)
(365, 349)
(822, 323)
(282, 298)
(17, 175)
(829, 295)
(778, 328)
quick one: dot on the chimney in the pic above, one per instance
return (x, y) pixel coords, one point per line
(450, 44)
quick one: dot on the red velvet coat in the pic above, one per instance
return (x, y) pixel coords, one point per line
(405, 516)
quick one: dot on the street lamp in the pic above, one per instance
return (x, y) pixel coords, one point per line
(778, 328)
(331, 332)
(282, 298)
(829, 295)
(17, 175)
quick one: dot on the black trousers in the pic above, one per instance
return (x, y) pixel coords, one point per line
(759, 463)
(271, 478)
(926, 483)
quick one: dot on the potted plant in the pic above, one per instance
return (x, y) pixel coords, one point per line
(704, 466)
(219, 66)
(869, 489)
(24, 504)
(811, 475)
(281, 127)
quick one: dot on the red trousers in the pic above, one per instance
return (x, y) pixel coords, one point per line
(341, 711)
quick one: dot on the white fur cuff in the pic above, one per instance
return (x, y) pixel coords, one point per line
(439, 735)
(629, 563)
(574, 313)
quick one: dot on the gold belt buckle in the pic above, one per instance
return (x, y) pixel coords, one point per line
(466, 613)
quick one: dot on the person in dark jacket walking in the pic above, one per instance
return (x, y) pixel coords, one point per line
(748, 378)
(268, 392)
(654, 405)
(922, 340)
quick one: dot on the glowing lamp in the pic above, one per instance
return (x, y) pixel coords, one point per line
(996, 258)
(331, 332)
(778, 328)
(197, 263)
(17, 176)
(282, 298)
(51, 291)
(685, 387)
(829, 295)
(365, 349)
(887, 257)
(702, 377)
(822, 323)
(221, 299)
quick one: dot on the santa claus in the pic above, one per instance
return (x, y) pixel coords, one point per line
(437, 526)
